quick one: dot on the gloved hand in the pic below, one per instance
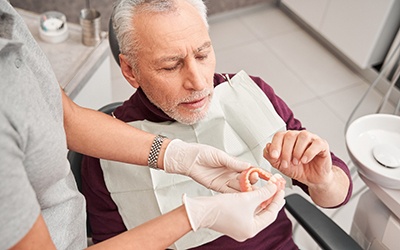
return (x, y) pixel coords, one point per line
(207, 165)
(236, 215)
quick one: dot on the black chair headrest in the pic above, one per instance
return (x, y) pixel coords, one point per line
(112, 39)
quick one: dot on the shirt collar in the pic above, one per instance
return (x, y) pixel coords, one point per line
(139, 107)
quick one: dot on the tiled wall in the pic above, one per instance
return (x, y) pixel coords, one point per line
(72, 8)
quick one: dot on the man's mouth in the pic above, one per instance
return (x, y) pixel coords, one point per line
(195, 104)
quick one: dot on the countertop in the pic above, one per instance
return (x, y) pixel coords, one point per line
(72, 62)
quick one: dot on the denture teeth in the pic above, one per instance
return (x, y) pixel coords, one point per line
(245, 184)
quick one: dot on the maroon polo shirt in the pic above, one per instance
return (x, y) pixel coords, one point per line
(103, 214)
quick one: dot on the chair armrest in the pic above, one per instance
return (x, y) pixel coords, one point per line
(326, 233)
(75, 160)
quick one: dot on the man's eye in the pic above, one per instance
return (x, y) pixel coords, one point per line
(171, 68)
(203, 57)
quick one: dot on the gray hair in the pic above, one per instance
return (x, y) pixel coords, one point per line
(124, 12)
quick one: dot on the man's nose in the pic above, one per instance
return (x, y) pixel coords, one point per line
(194, 79)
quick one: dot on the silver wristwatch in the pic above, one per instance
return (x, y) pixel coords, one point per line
(155, 151)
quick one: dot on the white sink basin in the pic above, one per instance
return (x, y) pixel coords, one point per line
(365, 139)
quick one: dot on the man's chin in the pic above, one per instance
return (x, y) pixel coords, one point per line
(191, 117)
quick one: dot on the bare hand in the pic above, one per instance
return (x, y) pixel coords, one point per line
(300, 155)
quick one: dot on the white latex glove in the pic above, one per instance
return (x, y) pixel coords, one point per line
(207, 165)
(236, 215)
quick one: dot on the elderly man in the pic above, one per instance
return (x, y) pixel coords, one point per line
(167, 54)
(41, 207)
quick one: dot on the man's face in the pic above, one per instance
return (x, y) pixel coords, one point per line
(176, 62)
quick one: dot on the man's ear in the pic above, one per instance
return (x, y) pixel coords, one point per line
(127, 71)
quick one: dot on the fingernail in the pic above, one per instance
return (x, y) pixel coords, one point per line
(274, 154)
(284, 164)
(295, 161)
(304, 160)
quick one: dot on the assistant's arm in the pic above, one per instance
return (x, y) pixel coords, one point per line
(38, 237)
(158, 233)
(99, 135)
(234, 214)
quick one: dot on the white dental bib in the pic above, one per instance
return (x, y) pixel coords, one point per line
(241, 121)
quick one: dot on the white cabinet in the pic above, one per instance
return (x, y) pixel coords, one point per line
(310, 11)
(361, 29)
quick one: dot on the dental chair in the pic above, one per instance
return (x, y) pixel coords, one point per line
(323, 230)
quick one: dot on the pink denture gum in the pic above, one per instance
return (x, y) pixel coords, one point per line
(246, 186)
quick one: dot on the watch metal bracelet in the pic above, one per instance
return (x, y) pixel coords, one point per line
(155, 151)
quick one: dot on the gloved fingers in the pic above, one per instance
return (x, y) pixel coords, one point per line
(230, 162)
(260, 195)
(268, 201)
(257, 222)
(278, 201)
(235, 183)
(267, 216)
(226, 183)
(232, 186)
(268, 190)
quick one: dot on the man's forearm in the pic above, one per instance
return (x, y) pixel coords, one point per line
(333, 193)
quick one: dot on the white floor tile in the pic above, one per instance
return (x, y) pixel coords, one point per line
(226, 33)
(344, 102)
(268, 21)
(258, 60)
(318, 68)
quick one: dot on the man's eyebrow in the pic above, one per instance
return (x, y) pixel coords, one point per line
(176, 58)
(206, 45)
(170, 59)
